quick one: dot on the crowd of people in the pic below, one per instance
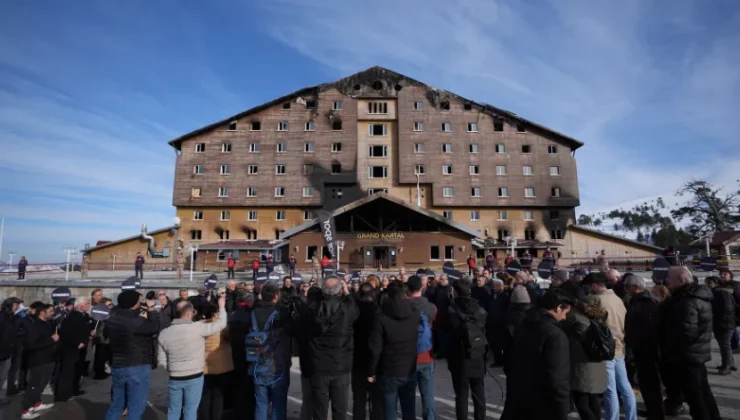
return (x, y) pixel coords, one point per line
(586, 344)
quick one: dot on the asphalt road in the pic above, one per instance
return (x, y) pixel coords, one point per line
(93, 405)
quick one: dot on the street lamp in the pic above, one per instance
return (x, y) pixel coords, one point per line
(11, 254)
(69, 251)
(511, 240)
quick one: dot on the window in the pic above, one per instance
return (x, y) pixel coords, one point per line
(286, 105)
(555, 192)
(529, 235)
(308, 148)
(418, 126)
(529, 192)
(503, 215)
(418, 106)
(225, 215)
(498, 125)
(377, 107)
(474, 169)
(308, 191)
(377, 172)
(310, 103)
(528, 215)
(337, 106)
(196, 235)
(309, 126)
(552, 149)
(447, 192)
(378, 151)
(252, 169)
(467, 106)
(503, 192)
(449, 252)
(283, 126)
(255, 126)
(556, 234)
(419, 170)
(447, 148)
(254, 147)
(225, 170)
(232, 126)
(378, 129)
(434, 252)
(337, 193)
(446, 169)
(307, 169)
(336, 125)
(195, 192)
(554, 170)
(372, 191)
(527, 170)
(503, 234)
(336, 147)
(526, 149)
(554, 215)
(251, 191)
(336, 168)
(281, 148)
(472, 127)
(447, 127)
(279, 191)
(447, 214)
(311, 251)
(280, 215)
(473, 148)
(307, 215)
(500, 148)
(280, 169)
(418, 147)
(225, 147)
(223, 192)
(200, 147)
(198, 169)
(197, 215)
(475, 192)
(520, 128)
(252, 215)
(444, 105)
(500, 170)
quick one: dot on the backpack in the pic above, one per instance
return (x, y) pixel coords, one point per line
(260, 348)
(472, 334)
(423, 334)
(598, 342)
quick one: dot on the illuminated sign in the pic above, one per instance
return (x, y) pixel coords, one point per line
(376, 235)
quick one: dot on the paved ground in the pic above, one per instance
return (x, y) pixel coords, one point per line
(94, 404)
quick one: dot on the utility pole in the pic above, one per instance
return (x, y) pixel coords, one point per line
(114, 261)
(11, 254)
(193, 250)
(418, 191)
(70, 251)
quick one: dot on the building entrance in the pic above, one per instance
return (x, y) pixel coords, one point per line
(378, 257)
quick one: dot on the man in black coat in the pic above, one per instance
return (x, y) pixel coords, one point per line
(723, 315)
(238, 327)
(467, 369)
(641, 335)
(481, 292)
(538, 382)
(330, 325)
(232, 296)
(74, 334)
(288, 292)
(392, 346)
(362, 390)
(495, 321)
(687, 333)
(41, 344)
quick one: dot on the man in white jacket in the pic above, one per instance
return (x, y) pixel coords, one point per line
(182, 352)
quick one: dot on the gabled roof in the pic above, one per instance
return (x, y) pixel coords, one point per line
(719, 239)
(383, 196)
(130, 238)
(614, 237)
(345, 86)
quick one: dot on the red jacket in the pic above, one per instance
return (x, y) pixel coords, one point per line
(324, 261)
(471, 262)
(255, 265)
(231, 263)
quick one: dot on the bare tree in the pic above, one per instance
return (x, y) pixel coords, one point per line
(708, 209)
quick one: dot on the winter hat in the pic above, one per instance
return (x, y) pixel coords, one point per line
(519, 295)
(561, 275)
(128, 298)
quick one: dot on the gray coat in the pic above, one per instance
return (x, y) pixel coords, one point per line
(585, 376)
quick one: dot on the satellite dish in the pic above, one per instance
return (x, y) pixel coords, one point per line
(177, 221)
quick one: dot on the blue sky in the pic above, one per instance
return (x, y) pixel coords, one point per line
(91, 91)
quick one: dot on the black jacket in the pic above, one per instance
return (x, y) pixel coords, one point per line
(686, 325)
(723, 309)
(75, 330)
(538, 385)
(166, 315)
(39, 344)
(393, 339)
(497, 312)
(642, 322)
(457, 363)
(363, 325)
(231, 298)
(534, 291)
(483, 296)
(332, 341)
(7, 335)
(131, 337)
(515, 315)
(239, 326)
(287, 295)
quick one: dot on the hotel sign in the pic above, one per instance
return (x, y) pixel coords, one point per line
(376, 235)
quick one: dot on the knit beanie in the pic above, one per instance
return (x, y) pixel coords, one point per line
(519, 295)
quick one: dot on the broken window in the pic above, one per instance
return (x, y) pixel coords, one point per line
(444, 105)
(378, 151)
(336, 147)
(286, 105)
(555, 192)
(378, 172)
(336, 125)
(520, 128)
(232, 126)
(336, 168)
(449, 252)
(310, 103)
(434, 252)
(526, 148)
(378, 129)
(256, 126)
(498, 125)
(467, 106)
